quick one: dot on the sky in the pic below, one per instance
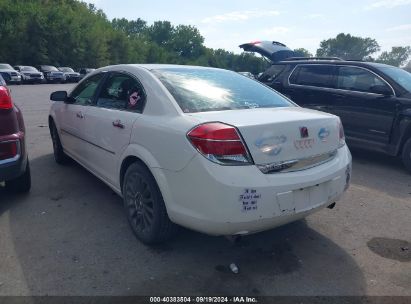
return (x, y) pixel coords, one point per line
(298, 24)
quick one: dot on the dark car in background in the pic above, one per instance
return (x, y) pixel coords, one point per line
(373, 100)
(14, 163)
(52, 74)
(29, 74)
(84, 71)
(69, 74)
(10, 75)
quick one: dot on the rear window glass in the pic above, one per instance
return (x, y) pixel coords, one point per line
(200, 90)
(312, 75)
(29, 68)
(272, 72)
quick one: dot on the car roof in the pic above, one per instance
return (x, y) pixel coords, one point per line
(156, 67)
(336, 62)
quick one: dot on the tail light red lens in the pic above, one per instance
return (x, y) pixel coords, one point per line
(8, 150)
(5, 99)
(219, 143)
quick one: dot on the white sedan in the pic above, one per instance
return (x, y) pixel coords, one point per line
(204, 148)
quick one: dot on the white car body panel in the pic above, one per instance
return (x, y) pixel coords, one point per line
(198, 193)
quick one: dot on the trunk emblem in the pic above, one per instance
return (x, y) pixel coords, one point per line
(304, 132)
(323, 134)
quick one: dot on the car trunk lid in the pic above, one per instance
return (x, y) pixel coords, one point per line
(280, 135)
(272, 50)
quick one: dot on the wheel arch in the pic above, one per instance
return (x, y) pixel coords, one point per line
(406, 134)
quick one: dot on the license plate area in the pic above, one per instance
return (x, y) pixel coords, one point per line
(304, 199)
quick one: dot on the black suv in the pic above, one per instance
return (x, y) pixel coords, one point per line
(373, 100)
(52, 74)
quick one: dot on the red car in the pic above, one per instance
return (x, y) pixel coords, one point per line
(14, 163)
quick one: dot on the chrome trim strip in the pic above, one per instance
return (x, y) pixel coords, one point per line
(297, 164)
(335, 89)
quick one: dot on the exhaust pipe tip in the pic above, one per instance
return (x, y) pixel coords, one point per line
(332, 206)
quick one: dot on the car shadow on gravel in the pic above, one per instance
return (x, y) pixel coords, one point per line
(71, 237)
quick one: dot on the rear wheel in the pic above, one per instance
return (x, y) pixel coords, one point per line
(59, 156)
(21, 184)
(144, 206)
(406, 154)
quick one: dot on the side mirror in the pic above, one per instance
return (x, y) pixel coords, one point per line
(381, 89)
(59, 96)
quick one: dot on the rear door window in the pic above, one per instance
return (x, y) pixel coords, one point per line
(122, 92)
(316, 75)
(358, 79)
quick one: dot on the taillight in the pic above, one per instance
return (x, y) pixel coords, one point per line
(342, 135)
(8, 149)
(219, 143)
(5, 99)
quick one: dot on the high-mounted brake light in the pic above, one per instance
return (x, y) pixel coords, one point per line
(341, 133)
(219, 143)
(5, 99)
(255, 42)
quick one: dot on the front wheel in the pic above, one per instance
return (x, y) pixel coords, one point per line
(406, 155)
(144, 206)
(59, 156)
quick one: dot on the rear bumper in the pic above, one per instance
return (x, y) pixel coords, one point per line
(222, 200)
(15, 167)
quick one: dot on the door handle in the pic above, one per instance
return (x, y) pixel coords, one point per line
(80, 115)
(118, 124)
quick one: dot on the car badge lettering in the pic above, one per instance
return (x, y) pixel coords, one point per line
(304, 132)
(302, 144)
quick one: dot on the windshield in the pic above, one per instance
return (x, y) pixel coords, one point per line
(49, 68)
(29, 68)
(199, 90)
(403, 78)
(69, 70)
(5, 66)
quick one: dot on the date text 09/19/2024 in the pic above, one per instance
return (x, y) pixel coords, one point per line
(199, 299)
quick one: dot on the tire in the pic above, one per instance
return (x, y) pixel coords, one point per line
(144, 206)
(21, 184)
(406, 155)
(59, 156)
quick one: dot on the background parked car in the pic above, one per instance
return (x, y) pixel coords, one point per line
(373, 100)
(52, 74)
(14, 163)
(29, 74)
(69, 74)
(9, 74)
(84, 71)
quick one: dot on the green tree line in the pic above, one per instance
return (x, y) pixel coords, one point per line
(77, 34)
(74, 33)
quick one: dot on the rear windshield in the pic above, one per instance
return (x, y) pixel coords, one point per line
(69, 70)
(49, 68)
(5, 66)
(200, 90)
(403, 78)
(29, 68)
